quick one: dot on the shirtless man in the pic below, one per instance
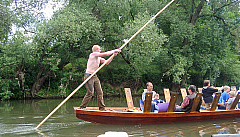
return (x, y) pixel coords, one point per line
(94, 60)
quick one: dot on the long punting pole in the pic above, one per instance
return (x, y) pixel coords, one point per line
(49, 115)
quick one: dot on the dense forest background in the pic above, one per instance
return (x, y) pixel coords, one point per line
(190, 41)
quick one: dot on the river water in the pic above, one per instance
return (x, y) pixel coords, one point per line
(20, 118)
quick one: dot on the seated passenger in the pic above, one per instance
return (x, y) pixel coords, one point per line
(224, 98)
(157, 100)
(225, 94)
(154, 108)
(208, 93)
(187, 104)
(221, 104)
(230, 100)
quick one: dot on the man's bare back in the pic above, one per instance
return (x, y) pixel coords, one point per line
(95, 58)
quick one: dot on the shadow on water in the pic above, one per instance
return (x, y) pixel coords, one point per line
(19, 118)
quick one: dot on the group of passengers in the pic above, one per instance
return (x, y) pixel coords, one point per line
(226, 99)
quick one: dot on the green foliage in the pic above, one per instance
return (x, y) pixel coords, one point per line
(6, 95)
(142, 50)
(63, 39)
(181, 54)
(23, 14)
(195, 49)
(230, 69)
(16, 56)
(180, 47)
(67, 36)
(5, 92)
(5, 22)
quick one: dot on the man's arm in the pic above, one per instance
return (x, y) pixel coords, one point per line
(115, 52)
(212, 90)
(102, 60)
(108, 53)
(185, 102)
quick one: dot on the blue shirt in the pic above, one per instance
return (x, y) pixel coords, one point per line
(158, 101)
(224, 96)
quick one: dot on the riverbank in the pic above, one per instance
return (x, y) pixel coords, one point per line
(62, 97)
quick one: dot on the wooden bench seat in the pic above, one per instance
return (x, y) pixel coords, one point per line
(196, 101)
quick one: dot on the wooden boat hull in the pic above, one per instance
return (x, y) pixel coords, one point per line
(122, 116)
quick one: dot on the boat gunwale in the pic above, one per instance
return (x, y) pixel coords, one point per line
(94, 112)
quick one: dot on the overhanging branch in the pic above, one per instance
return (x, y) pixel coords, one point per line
(220, 18)
(233, 2)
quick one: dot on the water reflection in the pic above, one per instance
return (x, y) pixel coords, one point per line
(41, 133)
(19, 118)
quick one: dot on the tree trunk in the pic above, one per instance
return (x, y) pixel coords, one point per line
(20, 76)
(175, 87)
(195, 16)
(37, 85)
(39, 81)
(137, 84)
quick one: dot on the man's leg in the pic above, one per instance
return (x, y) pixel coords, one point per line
(154, 108)
(98, 89)
(90, 92)
(221, 107)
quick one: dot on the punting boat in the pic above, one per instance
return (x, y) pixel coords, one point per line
(120, 115)
(132, 115)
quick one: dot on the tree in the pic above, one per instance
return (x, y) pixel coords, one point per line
(5, 21)
(15, 59)
(188, 42)
(120, 20)
(62, 40)
(198, 36)
(20, 14)
(195, 30)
